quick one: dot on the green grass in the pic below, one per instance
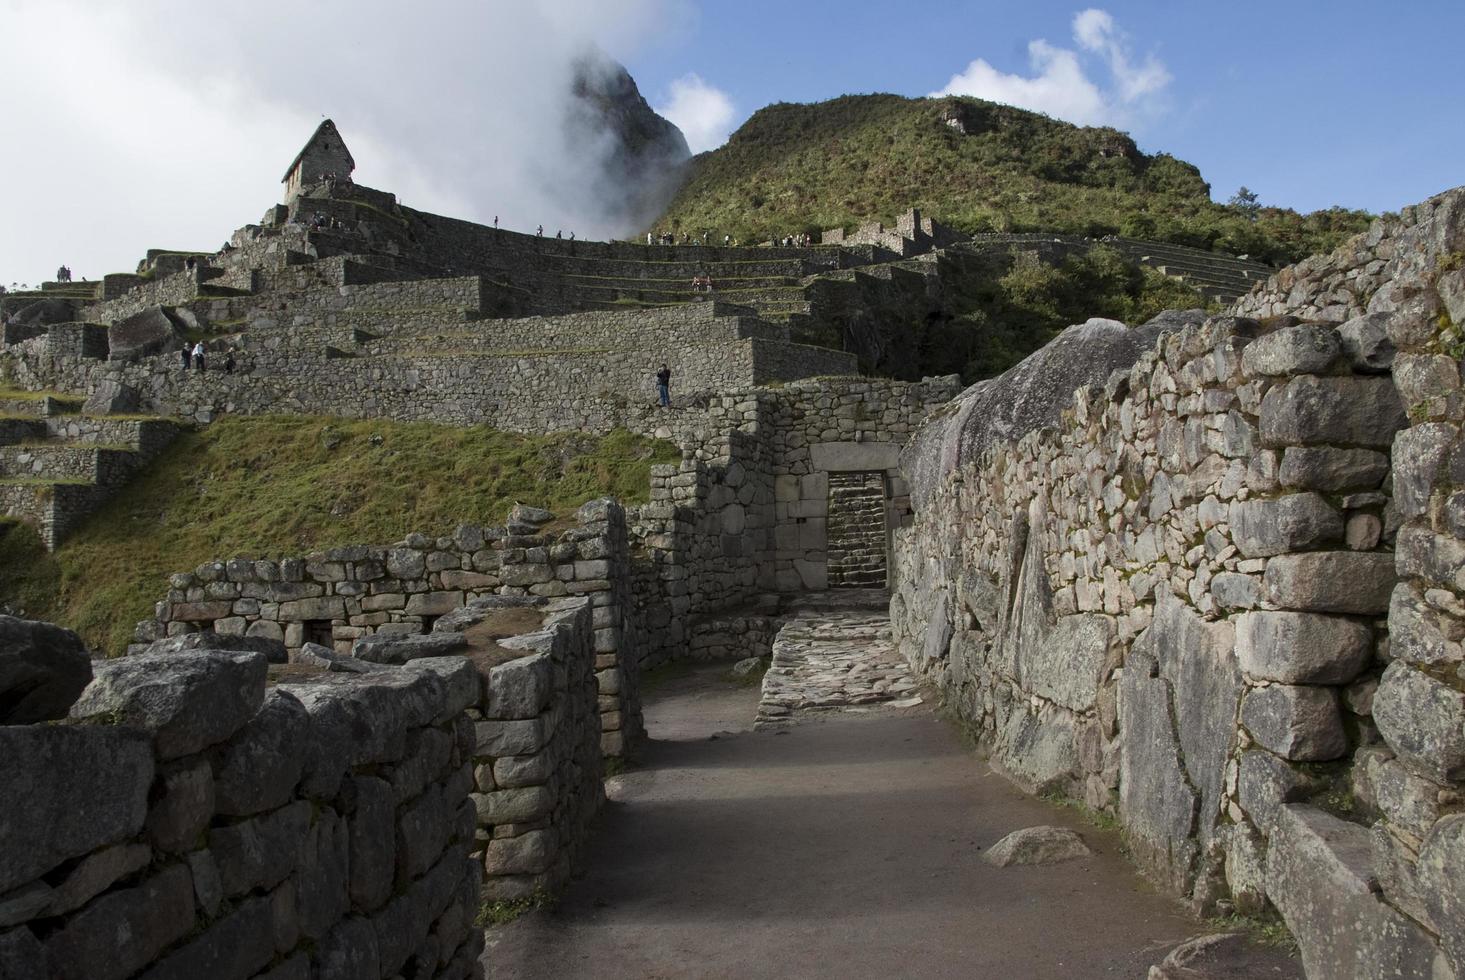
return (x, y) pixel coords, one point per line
(795, 168)
(1263, 931)
(272, 487)
(507, 910)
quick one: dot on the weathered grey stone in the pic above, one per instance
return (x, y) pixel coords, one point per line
(271, 649)
(259, 767)
(296, 967)
(516, 771)
(1298, 723)
(1357, 583)
(1350, 411)
(322, 874)
(373, 843)
(83, 787)
(520, 688)
(1026, 397)
(1264, 783)
(1233, 590)
(1296, 522)
(1366, 342)
(1319, 875)
(25, 903)
(1421, 452)
(22, 957)
(1036, 845)
(386, 648)
(348, 952)
(1304, 349)
(189, 701)
(1441, 879)
(1423, 720)
(124, 930)
(182, 806)
(43, 669)
(498, 738)
(514, 805)
(1330, 470)
(231, 949)
(260, 852)
(1409, 802)
(95, 874)
(1302, 648)
(154, 330)
(528, 854)
(1422, 634)
(525, 514)
(423, 827)
(1246, 868)
(112, 397)
(208, 887)
(461, 681)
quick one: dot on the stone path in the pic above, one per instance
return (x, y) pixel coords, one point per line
(841, 663)
(849, 846)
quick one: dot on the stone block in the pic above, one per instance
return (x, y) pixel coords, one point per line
(1302, 648)
(528, 854)
(1298, 723)
(1331, 470)
(322, 607)
(322, 874)
(1349, 411)
(348, 952)
(1356, 583)
(1441, 879)
(1320, 876)
(22, 957)
(188, 701)
(262, 851)
(1264, 783)
(498, 738)
(71, 790)
(1304, 349)
(434, 603)
(1366, 343)
(521, 805)
(396, 648)
(95, 874)
(1423, 721)
(43, 669)
(383, 602)
(1036, 845)
(259, 768)
(854, 457)
(233, 948)
(183, 804)
(1295, 522)
(518, 771)
(520, 688)
(124, 930)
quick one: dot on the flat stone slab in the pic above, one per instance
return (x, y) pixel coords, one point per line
(834, 663)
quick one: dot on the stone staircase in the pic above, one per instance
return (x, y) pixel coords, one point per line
(58, 465)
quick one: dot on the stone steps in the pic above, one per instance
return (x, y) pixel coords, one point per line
(38, 404)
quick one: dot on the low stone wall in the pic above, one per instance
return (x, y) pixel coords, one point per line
(537, 766)
(196, 822)
(338, 596)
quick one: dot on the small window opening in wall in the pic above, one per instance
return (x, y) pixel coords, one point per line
(801, 520)
(318, 631)
(427, 622)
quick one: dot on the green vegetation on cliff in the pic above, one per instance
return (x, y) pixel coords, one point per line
(795, 167)
(273, 487)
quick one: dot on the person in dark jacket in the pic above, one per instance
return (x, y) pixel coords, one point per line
(663, 386)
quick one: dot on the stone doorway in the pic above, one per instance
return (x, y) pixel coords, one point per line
(856, 529)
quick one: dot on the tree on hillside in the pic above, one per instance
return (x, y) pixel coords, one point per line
(1246, 201)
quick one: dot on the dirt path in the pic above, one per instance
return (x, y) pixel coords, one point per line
(843, 847)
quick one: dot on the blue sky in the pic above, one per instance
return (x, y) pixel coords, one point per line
(166, 123)
(1309, 104)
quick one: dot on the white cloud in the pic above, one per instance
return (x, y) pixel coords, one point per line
(146, 124)
(702, 112)
(1061, 84)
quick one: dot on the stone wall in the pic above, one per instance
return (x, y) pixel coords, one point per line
(1180, 606)
(193, 821)
(339, 596)
(537, 766)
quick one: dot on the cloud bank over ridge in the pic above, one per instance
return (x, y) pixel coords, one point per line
(1062, 83)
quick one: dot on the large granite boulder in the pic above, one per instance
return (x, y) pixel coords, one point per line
(46, 312)
(1028, 396)
(153, 331)
(43, 670)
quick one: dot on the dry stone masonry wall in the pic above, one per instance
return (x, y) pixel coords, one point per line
(1180, 605)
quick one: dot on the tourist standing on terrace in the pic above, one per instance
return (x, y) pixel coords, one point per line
(663, 386)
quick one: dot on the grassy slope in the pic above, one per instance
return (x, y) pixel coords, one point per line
(792, 168)
(272, 487)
